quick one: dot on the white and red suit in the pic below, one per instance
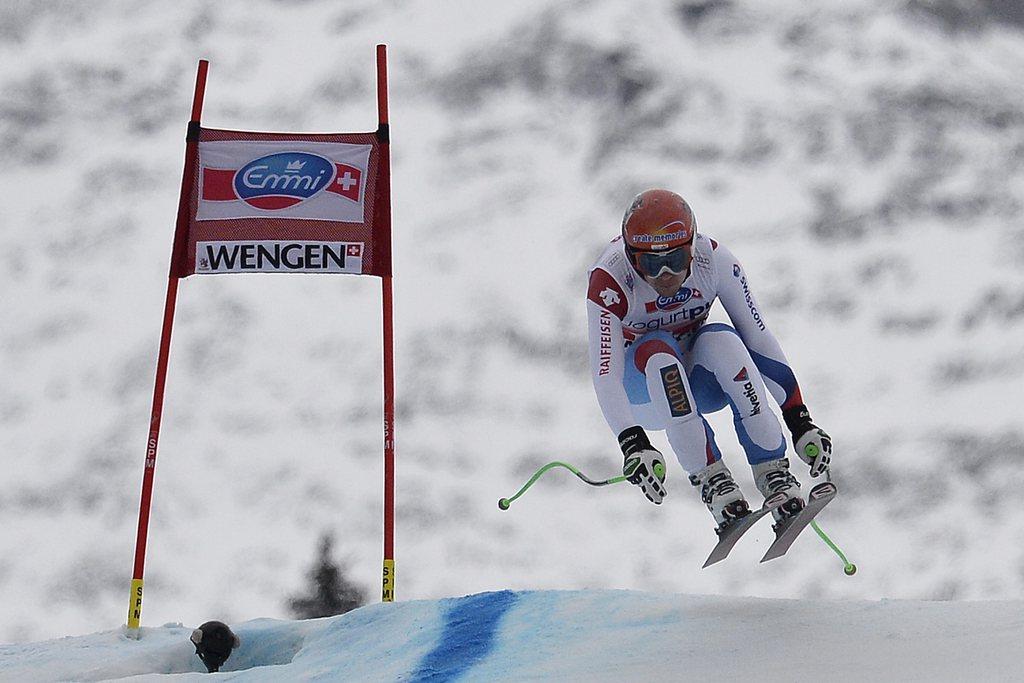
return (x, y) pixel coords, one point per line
(657, 363)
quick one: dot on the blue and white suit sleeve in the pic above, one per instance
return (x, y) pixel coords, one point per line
(736, 296)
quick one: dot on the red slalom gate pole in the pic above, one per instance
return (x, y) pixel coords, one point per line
(388, 575)
(191, 150)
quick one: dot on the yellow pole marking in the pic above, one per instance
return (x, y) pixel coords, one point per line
(135, 604)
(388, 585)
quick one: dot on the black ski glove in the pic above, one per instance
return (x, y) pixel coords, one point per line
(643, 465)
(813, 445)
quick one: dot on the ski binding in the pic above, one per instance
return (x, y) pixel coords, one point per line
(732, 533)
(820, 496)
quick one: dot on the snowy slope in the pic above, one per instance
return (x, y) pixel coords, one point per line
(864, 158)
(572, 636)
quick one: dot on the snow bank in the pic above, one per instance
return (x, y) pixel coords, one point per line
(572, 635)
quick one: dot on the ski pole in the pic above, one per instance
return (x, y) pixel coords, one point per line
(503, 503)
(849, 568)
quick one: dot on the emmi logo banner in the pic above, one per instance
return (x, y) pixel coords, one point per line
(276, 256)
(317, 181)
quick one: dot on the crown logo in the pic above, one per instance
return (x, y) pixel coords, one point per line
(295, 165)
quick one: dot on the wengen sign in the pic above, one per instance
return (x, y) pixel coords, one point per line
(279, 257)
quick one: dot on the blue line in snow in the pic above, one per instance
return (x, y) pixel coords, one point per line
(468, 636)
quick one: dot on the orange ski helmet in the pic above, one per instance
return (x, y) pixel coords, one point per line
(658, 220)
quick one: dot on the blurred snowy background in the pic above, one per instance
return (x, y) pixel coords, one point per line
(864, 158)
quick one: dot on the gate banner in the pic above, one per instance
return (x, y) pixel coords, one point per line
(285, 203)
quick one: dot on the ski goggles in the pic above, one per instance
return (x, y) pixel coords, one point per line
(652, 263)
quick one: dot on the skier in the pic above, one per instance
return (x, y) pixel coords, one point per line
(657, 364)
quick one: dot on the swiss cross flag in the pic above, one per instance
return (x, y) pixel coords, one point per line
(275, 202)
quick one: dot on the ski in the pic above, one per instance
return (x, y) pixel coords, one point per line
(728, 536)
(820, 496)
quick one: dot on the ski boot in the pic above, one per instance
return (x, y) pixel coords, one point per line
(720, 493)
(772, 477)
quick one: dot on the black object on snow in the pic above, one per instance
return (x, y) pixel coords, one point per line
(214, 642)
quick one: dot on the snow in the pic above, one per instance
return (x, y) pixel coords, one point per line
(589, 635)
